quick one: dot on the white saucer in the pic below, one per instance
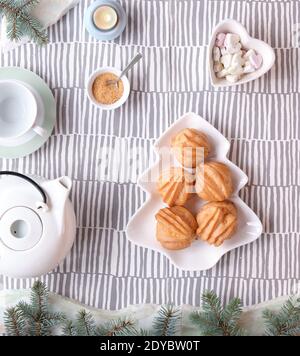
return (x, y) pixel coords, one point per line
(34, 142)
(40, 120)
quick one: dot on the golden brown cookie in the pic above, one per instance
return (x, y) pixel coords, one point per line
(176, 228)
(213, 182)
(175, 186)
(190, 147)
(217, 222)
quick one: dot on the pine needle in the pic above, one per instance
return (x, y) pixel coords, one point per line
(284, 323)
(215, 320)
(69, 329)
(143, 332)
(85, 324)
(35, 318)
(14, 322)
(39, 297)
(166, 323)
(28, 4)
(121, 327)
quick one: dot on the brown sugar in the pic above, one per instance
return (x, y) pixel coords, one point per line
(107, 94)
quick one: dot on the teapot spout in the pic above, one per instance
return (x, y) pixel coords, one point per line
(66, 183)
(61, 187)
(58, 192)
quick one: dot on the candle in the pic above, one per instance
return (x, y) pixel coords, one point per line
(105, 18)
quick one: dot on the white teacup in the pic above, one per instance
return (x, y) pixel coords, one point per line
(18, 111)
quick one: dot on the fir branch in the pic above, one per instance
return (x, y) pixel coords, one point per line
(20, 23)
(121, 327)
(29, 4)
(231, 315)
(215, 320)
(166, 322)
(39, 297)
(36, 318)
(33, 320)
(14, 322)
(284, 323)
(13, 28)
(143, 332)
(68, 329)
(33, 29)
(52, 320)
(85, 324)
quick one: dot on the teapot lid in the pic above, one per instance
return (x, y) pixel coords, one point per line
(20, 228)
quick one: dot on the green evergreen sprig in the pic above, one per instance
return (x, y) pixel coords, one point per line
(14, 322)
(121, 327)
(215, 320)
(166, 323)
(85, 324)
(69, 329)
(20, 22)
(32, 319)
(284, 323)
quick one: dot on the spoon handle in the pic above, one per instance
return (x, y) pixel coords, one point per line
(131, 64)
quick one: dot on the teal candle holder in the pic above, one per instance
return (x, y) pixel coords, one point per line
(105, 35)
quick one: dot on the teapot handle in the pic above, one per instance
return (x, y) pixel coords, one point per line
(31, 181)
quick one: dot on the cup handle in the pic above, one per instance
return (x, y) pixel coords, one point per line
(40, 131)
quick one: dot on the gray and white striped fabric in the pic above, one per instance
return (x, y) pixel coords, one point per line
(260, 119)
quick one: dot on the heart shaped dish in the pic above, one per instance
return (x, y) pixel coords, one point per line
(260, 47)
(141, 229)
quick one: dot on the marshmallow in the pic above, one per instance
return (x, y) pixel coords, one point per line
(249, 53)
(226, 60)
(224, 51)
(231, 39)
(234, 48)
(235, 69)
(256, 60)
(222, 74)
(237, 59)
(232, 78)
(216, 54)
(220, 39)
(218, 67)
(248, 68)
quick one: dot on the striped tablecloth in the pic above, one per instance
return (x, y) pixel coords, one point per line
(260, 119)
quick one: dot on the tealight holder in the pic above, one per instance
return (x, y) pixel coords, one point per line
(105, 20)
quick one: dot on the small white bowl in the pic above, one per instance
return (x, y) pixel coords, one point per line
(118, 103)
(248, 42)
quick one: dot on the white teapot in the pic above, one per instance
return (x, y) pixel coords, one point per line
(37, 224)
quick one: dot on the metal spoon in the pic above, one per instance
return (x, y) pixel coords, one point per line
(137, 58)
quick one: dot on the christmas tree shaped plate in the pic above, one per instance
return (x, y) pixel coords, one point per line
(141, 229)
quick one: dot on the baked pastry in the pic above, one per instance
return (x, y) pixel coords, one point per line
(175, 186)
(217, 222)
(176, 228)
(213, 182)
(190, 147)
